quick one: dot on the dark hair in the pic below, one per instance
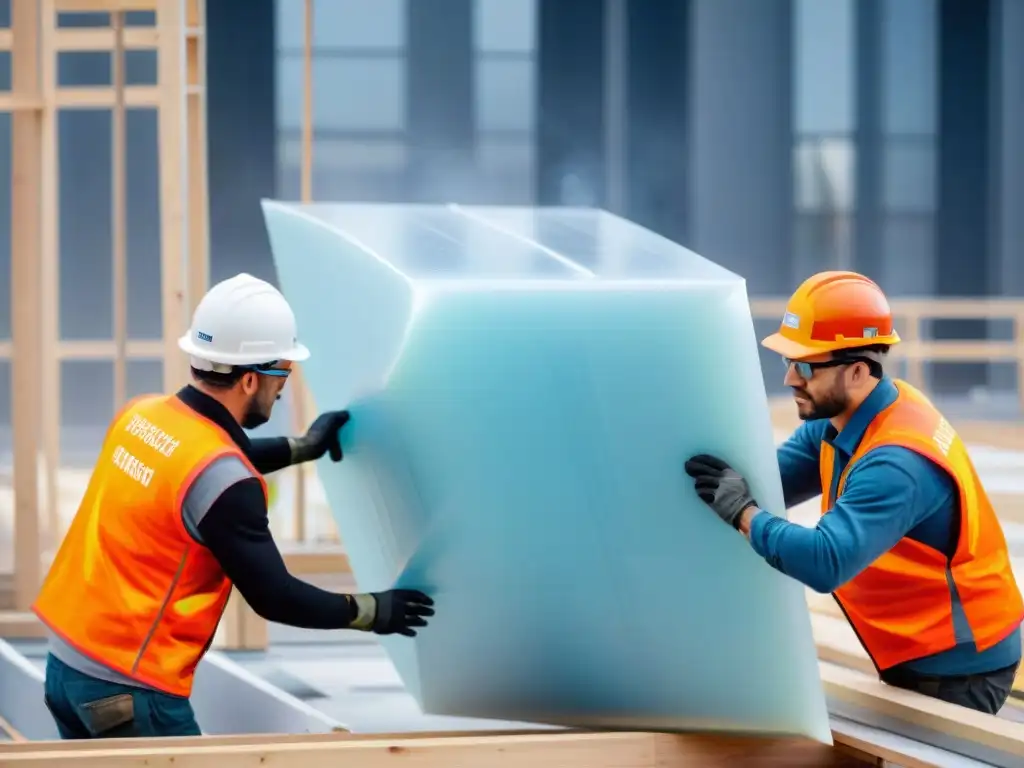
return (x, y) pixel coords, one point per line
(218, 380)
(874, 353)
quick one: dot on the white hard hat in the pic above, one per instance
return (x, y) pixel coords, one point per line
(242, 321)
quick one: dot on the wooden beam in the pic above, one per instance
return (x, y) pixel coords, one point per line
(26, 294)
(118, 210)
(898, 706)
(172, 141)
(102, 39)
(565, 750)
(49, 260)
(198, 275)
(315, 560)
(101, 6)
(21, 625)
(106, 349)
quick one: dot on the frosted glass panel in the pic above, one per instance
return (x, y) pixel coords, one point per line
(524, 386)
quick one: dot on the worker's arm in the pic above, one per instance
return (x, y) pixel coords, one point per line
(235, 528)
(269, 454)
(799, 463)
(887, 494)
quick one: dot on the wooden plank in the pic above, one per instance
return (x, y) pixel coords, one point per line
(12, 733)
(106, 349)
(49, 260)
(565, 750)
(25, 297)
(898, 706)
(172, 143)
(80, 97)
(102, 39)
(251, 739)
(198, 273)
(118, 209)
(20, 625)
(100, 6)
(316, 561)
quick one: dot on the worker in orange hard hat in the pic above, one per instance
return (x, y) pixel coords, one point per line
(907, 541)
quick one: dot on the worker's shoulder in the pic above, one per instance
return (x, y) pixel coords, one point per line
(897, 464)
(219, 475)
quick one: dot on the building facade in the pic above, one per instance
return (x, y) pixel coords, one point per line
(777, 137)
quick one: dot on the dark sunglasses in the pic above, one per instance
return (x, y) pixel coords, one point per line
(805, 370)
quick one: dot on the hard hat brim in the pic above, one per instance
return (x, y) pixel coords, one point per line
(794, 350)
(297, 354)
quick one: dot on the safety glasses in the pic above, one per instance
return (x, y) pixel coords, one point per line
(268, 369)
(805, 370)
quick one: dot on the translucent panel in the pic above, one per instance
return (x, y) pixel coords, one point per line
(824, 66)
(908, 250)
(524, 386)
(357, 24)
(505, 94)
(910, 175)
(910, 66)
(825, 175)
(350, 93)
(503, 26)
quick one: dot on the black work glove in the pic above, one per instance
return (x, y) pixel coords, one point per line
(396, 611)
(322, 436)
(720, 487)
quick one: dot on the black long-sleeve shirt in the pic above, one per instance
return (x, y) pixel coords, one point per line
(236, 530)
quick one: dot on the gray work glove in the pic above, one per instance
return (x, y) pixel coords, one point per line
(397, 611)
(720, 487)
(323, 436)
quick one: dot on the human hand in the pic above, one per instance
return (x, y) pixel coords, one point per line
(323, 436)
(720, 487)
(397, 611)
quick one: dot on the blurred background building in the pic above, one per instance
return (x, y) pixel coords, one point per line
(776, 137)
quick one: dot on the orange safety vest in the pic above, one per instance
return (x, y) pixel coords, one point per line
(129, 587)
(901, 605)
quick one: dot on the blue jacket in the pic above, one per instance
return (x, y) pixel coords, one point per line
(890, 493)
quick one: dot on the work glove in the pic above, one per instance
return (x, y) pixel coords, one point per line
(720, 487)
(397, 611)
(322, 437)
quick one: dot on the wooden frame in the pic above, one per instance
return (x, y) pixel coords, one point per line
(37, 352)
(855, 744)
(36, 41)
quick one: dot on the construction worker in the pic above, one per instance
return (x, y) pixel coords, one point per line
(907, 541)
(175, 514)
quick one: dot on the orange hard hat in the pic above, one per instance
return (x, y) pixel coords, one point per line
(832, 311)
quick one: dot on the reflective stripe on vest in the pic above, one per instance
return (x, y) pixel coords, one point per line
(129, 587)
(901, 606)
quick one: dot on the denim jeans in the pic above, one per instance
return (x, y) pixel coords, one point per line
(87, 708)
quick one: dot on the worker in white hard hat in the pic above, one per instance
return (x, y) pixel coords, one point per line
(175, 514)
